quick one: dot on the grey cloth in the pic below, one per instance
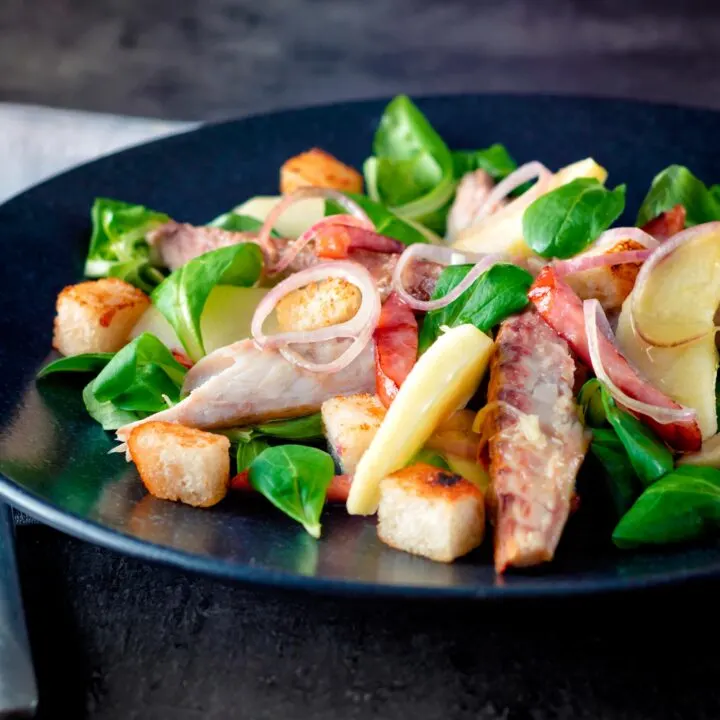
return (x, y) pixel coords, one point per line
(37, 143)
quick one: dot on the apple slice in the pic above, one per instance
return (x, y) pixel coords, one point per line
(502, 232)
(679, 298)
(686, 373)
(226, 318)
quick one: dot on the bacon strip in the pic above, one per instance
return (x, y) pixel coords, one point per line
(334, 242)
(396, 346)
(667, 224)
(562, 309)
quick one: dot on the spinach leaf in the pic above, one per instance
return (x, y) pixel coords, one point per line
(386, 222)
(684, 505)
(563, 222)
(87, 362)
(118, 247)
(109, 416)
(649, 457)
(182, 296)
(309, 427)
(676, 184)
(630, 453)
(139, 380)
(494, 160)
(590, 403)
(412, 168)
(496, 294)
(295, 479)
(239, 223)
(620, 478)
(248, 451)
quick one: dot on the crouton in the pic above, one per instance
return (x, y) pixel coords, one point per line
(181, 463)
(430, 512)
(318, 305)
(350, 425)
(97, 316)
(610, 284)
(316, 168)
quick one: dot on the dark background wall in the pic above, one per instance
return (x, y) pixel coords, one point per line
(205, 59)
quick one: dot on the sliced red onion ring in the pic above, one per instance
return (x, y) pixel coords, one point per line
(596, 322)
(663, 251)
(588, 262)
(306, 193)
(443, 256)
(514, 180)
(360, 327)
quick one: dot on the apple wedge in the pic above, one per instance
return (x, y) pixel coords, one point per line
(678, 302)
(680, 296)
(502, 232)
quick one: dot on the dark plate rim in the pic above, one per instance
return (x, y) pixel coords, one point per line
(117, 541)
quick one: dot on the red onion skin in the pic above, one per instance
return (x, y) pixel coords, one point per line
(562, 309)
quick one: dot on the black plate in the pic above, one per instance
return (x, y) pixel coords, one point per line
(55, 458)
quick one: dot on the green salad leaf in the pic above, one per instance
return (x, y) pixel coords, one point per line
(683, 505)
(182, 296)
(118, 246)
(248, 451)
(141, 379)
(386, 222)
(411, 170)
(235, 222)
(649, 457)
(295, 479)
(565, 221)
(677, 185)
(87, 362)
(309, 427)
(622, 482)
(494, 160)
(496, 294)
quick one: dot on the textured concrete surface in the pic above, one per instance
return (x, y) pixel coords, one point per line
(201, 59)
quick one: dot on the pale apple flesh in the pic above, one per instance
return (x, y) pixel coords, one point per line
(502, 232)
(682, 293)
(686, 373)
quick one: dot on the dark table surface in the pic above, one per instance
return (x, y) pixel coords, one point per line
(115, 638)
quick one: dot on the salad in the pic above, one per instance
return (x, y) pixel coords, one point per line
(446, 340)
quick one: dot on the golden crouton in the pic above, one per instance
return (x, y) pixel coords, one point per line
(610, 284)
(97, 316)
(316, 168)
(318, 305)
(180, 463)
(350, 425)
(430, 512)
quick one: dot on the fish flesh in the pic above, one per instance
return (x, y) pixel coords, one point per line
(536, 440)
(241, 384)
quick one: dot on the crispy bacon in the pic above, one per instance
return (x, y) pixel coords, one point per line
(334, 242)
(562, 309)
(667, 224)
(396, 345)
